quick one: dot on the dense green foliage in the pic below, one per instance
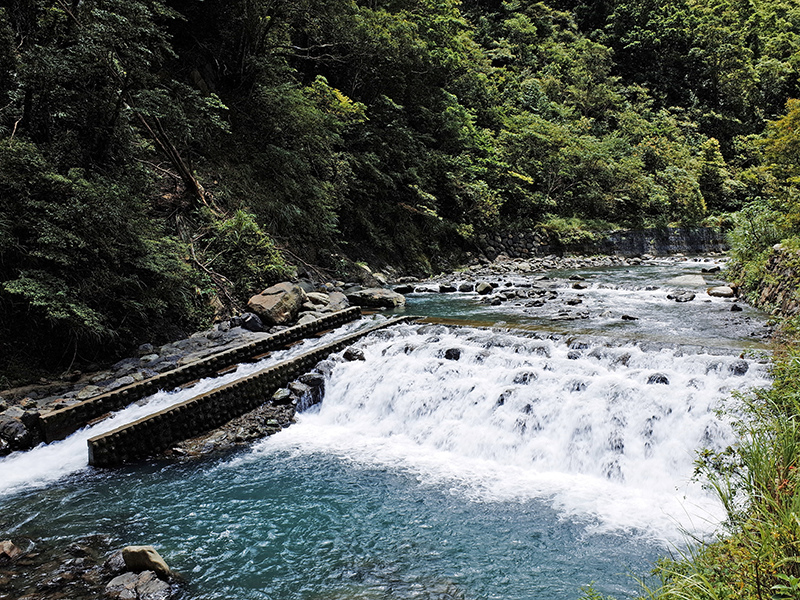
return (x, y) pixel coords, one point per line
(389, 130)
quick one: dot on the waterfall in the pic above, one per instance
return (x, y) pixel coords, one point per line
(606, 433)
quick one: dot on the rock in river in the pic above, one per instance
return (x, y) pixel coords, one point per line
(376, 298)
(722, 291)
(145, 558)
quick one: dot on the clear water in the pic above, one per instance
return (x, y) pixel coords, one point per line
(451, 463)
(638, 291)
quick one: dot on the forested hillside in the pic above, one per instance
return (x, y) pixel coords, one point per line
(156, 155)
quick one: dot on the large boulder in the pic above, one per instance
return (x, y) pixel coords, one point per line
(377, 298)
(145, 558)
(279, 304)
(722, 291)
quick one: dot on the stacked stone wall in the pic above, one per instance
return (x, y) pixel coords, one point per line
(158, 432)
(628, 242)
(778, 289)
(61, 423)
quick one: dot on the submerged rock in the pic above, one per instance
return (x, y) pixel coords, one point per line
(352, 354)
(452, 353)
(681, 296)
(658, 378)
(739, 367)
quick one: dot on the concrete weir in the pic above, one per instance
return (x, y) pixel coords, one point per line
(60, 423)
(159, 431)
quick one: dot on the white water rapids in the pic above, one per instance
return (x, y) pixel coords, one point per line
(607, 435)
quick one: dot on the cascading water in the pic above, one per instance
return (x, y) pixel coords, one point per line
(608, 433)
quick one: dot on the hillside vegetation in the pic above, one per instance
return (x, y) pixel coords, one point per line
(159, 157)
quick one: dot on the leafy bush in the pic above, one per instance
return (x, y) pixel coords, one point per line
(239, 249)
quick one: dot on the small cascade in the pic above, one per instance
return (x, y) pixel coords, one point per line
(49, 462)
(505, 415)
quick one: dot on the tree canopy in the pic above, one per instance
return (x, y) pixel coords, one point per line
(145, 143)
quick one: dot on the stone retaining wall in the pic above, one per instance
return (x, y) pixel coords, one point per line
(626, 242)
(778, 288)
(160, 431)
(63, 422)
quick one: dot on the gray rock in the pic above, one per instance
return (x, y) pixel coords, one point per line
(123, 587)
(279, 304)
(313, 380)
(681, 296)
(149, 359)
(15, 433)
(736, 308)
(138, 586)
(145, 558)
(282, 396)
(306, 318)
(483, 288)
(352, 354)
(318, 298)
(658, 378)
(121, 382)
(251, 322)
(739, 367)
(145, 349)
(722, 291)
(629, 318)
(88, 392)
(377, 298)
(337, 301)
(150, 587)
(114, 564)
(404, 289)
(446, 288)
(466, 287)
(299, 389)
(452, 353)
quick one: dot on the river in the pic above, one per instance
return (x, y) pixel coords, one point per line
(525, 453)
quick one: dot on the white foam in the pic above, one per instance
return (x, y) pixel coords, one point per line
(515, 418)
